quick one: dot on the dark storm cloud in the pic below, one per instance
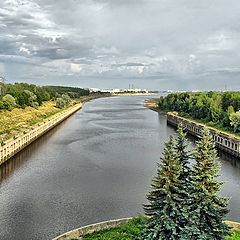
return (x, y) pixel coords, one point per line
(158, 43)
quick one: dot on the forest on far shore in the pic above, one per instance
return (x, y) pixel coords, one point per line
(22, 95)
(217, 109)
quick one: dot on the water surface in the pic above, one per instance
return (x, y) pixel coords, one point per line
(95, 166)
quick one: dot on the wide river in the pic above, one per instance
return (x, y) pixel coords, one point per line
(95, 166)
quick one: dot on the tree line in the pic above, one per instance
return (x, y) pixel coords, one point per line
(23, 94)
(184, 201)
(215, 108)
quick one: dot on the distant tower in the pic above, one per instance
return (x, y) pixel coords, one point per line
(132, 86)
(129, 86)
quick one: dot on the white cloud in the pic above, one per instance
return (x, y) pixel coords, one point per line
(75, 68)
(119, 39)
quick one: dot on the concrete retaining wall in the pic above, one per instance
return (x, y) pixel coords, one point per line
(223, 141)
(80, 232)
(11, 147)
(233, 225)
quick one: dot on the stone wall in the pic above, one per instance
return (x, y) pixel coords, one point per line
(11, 147)
(80, 232)
(223, 141)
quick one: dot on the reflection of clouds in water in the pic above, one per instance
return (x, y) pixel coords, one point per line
(102, 157)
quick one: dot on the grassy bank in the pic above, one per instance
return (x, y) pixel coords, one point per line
(12, 123)
(153, 104)
(131, 231)
(18, 120)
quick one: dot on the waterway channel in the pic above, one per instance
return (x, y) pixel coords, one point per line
(96, 165)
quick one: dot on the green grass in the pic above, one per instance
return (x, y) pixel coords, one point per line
(128, 231)
(235, 236)
(132, 231)
(12, 123)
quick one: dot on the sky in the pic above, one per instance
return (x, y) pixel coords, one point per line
(153, 44)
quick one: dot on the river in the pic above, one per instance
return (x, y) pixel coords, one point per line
(95, 166)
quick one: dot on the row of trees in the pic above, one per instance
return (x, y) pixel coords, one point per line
(23, 94)
(184, 203)
(215, 108)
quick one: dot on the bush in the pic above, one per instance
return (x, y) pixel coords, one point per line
(8, 102)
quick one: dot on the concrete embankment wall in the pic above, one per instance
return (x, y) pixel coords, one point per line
(223, 141)
(80, 232)
(11, 147)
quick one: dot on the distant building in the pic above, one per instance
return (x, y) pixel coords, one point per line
(118, 90)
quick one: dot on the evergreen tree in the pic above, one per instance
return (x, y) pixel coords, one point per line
(187, 186)
(182, 152)
(209, 208)
(166, 207)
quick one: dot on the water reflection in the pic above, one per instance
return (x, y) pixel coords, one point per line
(95, 166)
(15, 162)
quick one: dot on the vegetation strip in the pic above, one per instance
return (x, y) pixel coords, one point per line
(132, 231)
(220, 110)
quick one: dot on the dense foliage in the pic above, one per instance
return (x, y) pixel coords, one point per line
(216, 108)
(23, 94)
(184, 203)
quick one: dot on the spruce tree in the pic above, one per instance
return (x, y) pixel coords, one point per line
(209, 208)
(183, 154)
(183, 157)
(166, 206)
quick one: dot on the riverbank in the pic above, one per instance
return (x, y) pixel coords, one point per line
(153, 105)
(227, 142)
(27, 132)
(17, 121)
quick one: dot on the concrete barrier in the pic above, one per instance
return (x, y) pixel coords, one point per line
(80, 232)
(233, 225)
(226, 142)
(11, 147)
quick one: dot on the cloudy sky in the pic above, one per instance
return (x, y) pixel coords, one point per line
(154, 44)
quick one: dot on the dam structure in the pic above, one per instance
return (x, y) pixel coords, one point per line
(9, 148)
(226, 142)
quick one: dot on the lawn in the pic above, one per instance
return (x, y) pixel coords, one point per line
(131, 231)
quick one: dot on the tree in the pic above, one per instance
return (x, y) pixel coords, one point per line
(60, 103)
(63, 101)
(167, 208)
(8, 102)
(32, 98)
(235, 120)
(208, 207)
(182, 152)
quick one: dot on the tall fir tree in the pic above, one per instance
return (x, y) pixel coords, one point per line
(183, 154)
(167, 208)
(183, 157)
(209, 208)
